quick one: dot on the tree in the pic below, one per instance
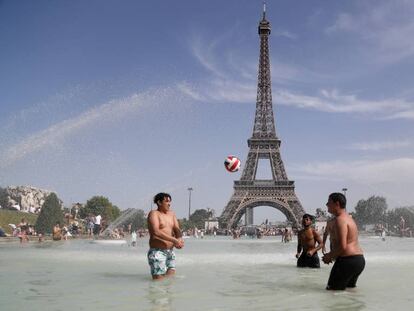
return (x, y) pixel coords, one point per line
(394, 216)
(199, 217)
(4, 201)
(371, 211)
(139, 221)
(185, 224)
(50, 214)
(99, 205)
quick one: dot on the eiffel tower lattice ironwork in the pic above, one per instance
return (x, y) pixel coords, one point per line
(278, 192)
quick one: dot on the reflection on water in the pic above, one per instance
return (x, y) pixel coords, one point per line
(159, 294)
(348, 300)
(212, 274)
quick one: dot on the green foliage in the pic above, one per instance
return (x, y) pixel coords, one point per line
(50, 214)
(371, 211)
(111, 212)
(14, 217)
(3, 198)
(99, 205)
(139, 221)
(394, 217)
(195, 221)
(199, 217)
(185, 224)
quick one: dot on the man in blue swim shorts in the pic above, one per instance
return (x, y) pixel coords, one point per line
(165, 234)
(161, 260)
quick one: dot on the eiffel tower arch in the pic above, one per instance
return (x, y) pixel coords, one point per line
(249, 192)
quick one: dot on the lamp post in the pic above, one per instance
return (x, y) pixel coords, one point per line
(208, 219)
(344, 191)
(189, 202)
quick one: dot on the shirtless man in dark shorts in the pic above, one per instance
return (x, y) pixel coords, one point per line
(165, 234)
(346, 252)
(307, 252)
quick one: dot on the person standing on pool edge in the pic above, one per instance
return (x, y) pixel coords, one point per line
(348, 255)
(165, 234)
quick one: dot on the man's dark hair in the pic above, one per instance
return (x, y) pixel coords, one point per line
(160, 197)
(311, 217)
(338, 197)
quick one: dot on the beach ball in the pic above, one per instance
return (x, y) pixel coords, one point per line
(232, 164)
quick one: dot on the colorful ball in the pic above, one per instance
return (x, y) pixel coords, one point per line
(232, 164)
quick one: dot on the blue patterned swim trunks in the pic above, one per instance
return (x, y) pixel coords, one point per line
(161, 260)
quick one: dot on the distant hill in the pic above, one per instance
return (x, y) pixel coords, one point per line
(27, 198)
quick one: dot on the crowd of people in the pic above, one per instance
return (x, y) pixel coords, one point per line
(23, 230)
(90, 227)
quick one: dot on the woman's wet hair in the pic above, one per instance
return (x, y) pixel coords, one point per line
(159, 197)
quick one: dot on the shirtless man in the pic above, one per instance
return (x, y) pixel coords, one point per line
(57, 232)
(307, 252)
(165, 234)
(348, 255)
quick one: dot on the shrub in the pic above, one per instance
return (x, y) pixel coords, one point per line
(50, 214)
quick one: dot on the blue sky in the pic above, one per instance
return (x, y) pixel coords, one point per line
(128, 98)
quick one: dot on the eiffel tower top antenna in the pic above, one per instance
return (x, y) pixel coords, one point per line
(264, 124)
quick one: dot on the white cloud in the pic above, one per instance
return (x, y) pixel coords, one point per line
(385, 26)
(228, 65)
(378, 146)
(408, 114)
(203, 55)
(238, 86)
(189, 90)
(344, 22)
(284, 33)
(399, 170)
(227, 90)
(333, 101)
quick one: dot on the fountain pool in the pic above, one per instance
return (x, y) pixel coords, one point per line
(212, 274)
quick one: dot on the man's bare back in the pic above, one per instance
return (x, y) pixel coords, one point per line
(346, 233)
(346, 251)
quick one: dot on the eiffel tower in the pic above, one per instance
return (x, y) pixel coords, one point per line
(278, 192)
